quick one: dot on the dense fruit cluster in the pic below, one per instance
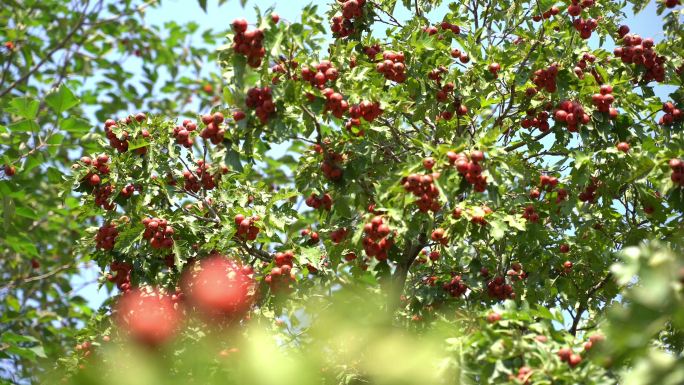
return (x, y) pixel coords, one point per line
(120, 275)
(516, 271)
(471, 169)
(443, 94)
(213, 130)
(158, 233)
(546, 78)
(342, 26)
(337, 236)
(376, 242)
(335, 103)
(246, 228)
(499, 289)
(553, 11)
(281, 276)
(182, 133)
(120, 145)
(248, 43)
(585, 27)
(575, 9)
(106, 236)
(671, 115)
(567, 355)
(422, 186)
(324, 72)
(102, 195)
(313, 237)
(446, 26)
(677, 167)
(571, 113)
(461, 56)
(540, 121)
(331, 166)
(201, 178)
(96, 168)
(261, 100)
(392, 66)
(323, 202)
(636, 50)
(604, 99)
(523, 376)
(531, 214)
(586, 60)
(589, 193)
(456, 287)
(369, 111)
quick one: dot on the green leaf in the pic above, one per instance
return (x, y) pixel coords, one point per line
(61, 100)
(25, 107)
(203, 5)
(75, 125)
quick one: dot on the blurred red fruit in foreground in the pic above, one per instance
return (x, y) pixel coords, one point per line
(149, 318)
(220, 287)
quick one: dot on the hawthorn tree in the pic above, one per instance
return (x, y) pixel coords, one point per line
(64, 66)
(491, 169)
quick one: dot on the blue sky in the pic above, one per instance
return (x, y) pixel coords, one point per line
(646, 24)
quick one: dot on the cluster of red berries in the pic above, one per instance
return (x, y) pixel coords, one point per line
(567, 355)
(604, 99)
(313, 236)
(121, 143)
(531, 214)
(672, 3)
(331, 166)
(671, 115)
(553, 11)
(182, 133)
(213, 130)
(369, 111)
(342, 26)
(546, 78)
(121, 276)
(282, 275)
(261, 100)
(372, 51)
(128, 190)
(677, 167)
(392, 66)
(516, 271)
(640, 52)
(540, 121)
(325, 72)
(584, 62)
(337, 236)
(248, 43)
(439, 235)
(571, 113)
(456, 287)
(585, 27)
(593, 340)
(461, 56)
(102, 195)
(106, 236)
(158, 233)
(97, 168)
(443, 94)
(494, 69)
(246, 229)
(499, 289)
(423, 187)
(523, 376)
(324, 202)
(546, 182)
(335, 103)
(446, 26)
(376, 242)
(589, 193)
(201, 177)
(575, 9)
(471, 168)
